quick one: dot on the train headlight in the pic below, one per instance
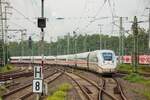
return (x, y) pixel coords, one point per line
(103, 61)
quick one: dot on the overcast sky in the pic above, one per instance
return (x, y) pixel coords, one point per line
(77, 14)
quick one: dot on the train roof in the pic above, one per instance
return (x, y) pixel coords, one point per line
(15, 57)
(50, 57)
(70, 56)
(82, 55)
(102, 51)
(32, 57)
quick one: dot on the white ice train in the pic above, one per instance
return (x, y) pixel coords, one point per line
(101, 61)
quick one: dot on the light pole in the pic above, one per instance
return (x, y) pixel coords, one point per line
(120, 42)
(58, 45)
(84, 43)
(22, 45)
(149, 32)
(61, 18)
(2, 54)
(135, 33)
(68, 43)
(75, 42)
(6, 28)
(149, 27)
(50, 46)
(100, 36)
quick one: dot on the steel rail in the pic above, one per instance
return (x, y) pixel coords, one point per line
(120, 89)
(22, 87)
(94, 84)
(100, 88)
(50, 81)
(81, 88)
(100, 95)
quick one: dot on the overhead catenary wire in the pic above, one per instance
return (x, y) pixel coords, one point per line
(112, 12)
(27, 18)
(100, 8)
(142, 14)
(123, 29)
(94, 17)
(17, 24)
(84, 10)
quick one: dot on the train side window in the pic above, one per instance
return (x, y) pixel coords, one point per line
(93, 58)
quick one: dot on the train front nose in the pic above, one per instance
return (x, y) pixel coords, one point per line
(108, 67)
(108, 70)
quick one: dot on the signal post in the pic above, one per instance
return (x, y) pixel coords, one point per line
(38, 70)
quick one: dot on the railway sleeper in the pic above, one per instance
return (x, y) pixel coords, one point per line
(116, 90)
(87, 89)
(12, 84)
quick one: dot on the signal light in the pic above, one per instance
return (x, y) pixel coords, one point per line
(30, 42)
(41, 22)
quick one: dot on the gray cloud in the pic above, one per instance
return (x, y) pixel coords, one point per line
(75, 13)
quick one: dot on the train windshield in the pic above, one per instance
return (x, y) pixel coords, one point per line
(107, 56)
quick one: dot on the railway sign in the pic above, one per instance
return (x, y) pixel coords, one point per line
(37, 86)
(38, 72)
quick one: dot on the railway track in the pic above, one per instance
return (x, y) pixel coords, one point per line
(25, 91)
(10, 72)
(19, 80)
(113, 86)
(86, 88)
(49, 79)
(116, 94)
(17, 74)
(89, 89)
(120, 90)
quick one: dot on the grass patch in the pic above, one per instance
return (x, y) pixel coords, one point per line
(7, 68)
(144, 69)
(136, 78)
(65, 87)
(58, 95)
(125, 67)
(145, 93)
(61, 92)
(2, 90)
(129, 68)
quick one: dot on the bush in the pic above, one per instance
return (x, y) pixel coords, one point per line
(144, 68)
(58, 95)
(61, 92)
(55, 98)
(134, 77)
(9, 67)
(2, 88)
(125, 67)
(147, 94)
(129, 68)
(6, 68)
(65, 87)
